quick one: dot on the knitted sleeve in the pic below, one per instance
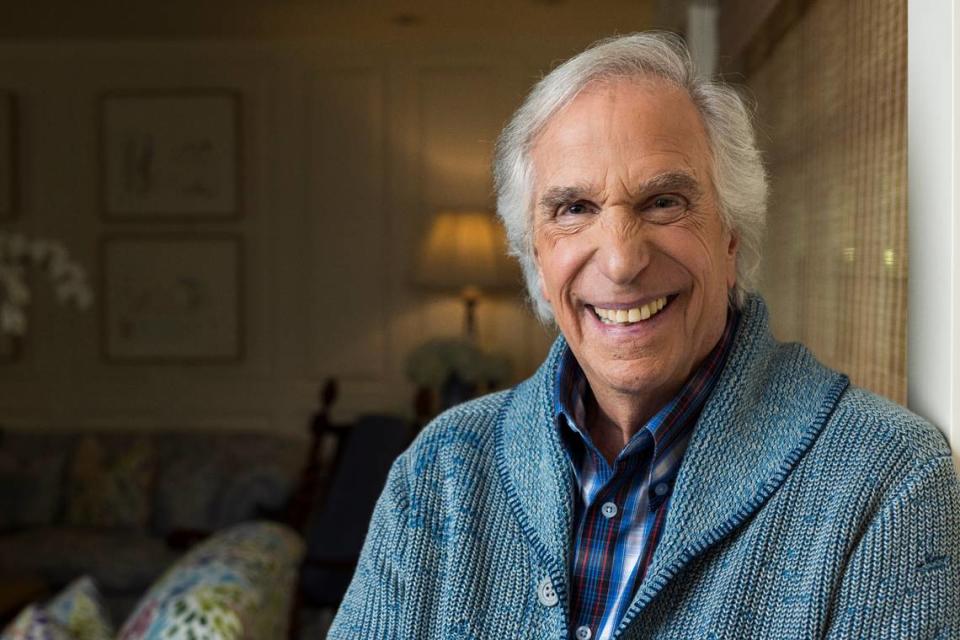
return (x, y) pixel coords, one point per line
(903, 577)
(373, 602)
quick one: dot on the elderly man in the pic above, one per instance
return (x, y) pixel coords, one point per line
(670, 471)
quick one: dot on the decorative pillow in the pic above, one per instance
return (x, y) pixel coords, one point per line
(207, 612)
(236, 584)
(29, 489)
(248, 491)
(186, 491)
(80, 610)
(34, 623)
(110, 490)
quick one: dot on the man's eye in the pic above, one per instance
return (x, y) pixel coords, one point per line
(575, 208)
(665, 209)
(666, 202)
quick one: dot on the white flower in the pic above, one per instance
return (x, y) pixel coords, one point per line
(72, 272)
(16, 254)
(13, 320)
(64, 291)
(12, 285)
(84, 297)
(58, 260)
(39, 250)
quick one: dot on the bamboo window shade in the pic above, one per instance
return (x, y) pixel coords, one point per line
(831, 93)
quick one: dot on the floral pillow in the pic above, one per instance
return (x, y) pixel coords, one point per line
(236, 584)
(107, 489)
(79, 609)
(34, 623)
(76, 613)
(207, 612)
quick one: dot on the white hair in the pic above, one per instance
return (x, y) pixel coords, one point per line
(738, 174)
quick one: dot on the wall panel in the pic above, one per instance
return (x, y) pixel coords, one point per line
(346, 209)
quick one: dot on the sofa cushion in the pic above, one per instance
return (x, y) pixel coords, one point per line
(29, 488)
(110, 488)
(237, 584)
(80, 610)
(33, 623)
(119, 560)
(187, 490)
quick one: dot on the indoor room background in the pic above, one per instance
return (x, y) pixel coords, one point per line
(326, 137)
(355, 124)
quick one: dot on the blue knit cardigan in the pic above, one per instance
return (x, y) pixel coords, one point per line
(804, 508)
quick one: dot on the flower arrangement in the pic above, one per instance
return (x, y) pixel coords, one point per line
(17, 255)
(432, 363)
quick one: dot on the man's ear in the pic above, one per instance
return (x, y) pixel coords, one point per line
(733, 246)
(536, 262)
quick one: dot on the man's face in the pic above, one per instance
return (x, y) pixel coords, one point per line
(625, 219)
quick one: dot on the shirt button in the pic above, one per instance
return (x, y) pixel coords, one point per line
(584, 633)
(608, 510)
(661, 489)
(546, 594)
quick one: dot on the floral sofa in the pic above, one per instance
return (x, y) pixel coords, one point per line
(237, 585)
(107, 504)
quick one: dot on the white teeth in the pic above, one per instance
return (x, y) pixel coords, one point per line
(626, 316)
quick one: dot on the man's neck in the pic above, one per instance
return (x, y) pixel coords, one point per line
(613, 421)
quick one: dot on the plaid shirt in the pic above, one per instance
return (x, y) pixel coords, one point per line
(621, 509)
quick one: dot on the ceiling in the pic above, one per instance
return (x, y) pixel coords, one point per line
(340, 19)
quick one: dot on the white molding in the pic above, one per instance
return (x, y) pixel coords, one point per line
(933, 115)
(702, 36)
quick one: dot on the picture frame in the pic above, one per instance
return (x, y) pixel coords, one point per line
(172, 298)
(9, 156)
(170, 155)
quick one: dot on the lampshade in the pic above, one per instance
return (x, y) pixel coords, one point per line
(465, 249)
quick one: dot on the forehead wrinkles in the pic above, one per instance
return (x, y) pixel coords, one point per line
(628, 130)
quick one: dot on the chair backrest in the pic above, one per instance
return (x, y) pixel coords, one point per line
(337, 527)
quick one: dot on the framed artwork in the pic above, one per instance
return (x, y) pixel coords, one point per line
(170, 156)
(9, 174)
(169, 299)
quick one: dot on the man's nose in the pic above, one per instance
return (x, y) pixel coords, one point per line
(624, 250)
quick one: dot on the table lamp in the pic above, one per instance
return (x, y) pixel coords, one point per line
(465, 252)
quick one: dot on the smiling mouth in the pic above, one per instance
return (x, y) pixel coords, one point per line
(634, 315)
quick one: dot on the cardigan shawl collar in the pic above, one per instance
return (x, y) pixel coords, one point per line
(748, 438)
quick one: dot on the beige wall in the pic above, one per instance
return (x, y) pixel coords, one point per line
(348, 149)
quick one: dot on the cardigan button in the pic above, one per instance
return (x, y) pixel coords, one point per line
(546, 594)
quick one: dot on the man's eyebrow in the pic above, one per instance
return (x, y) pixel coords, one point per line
(672, 181)
(555, 196)
(679, 181)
